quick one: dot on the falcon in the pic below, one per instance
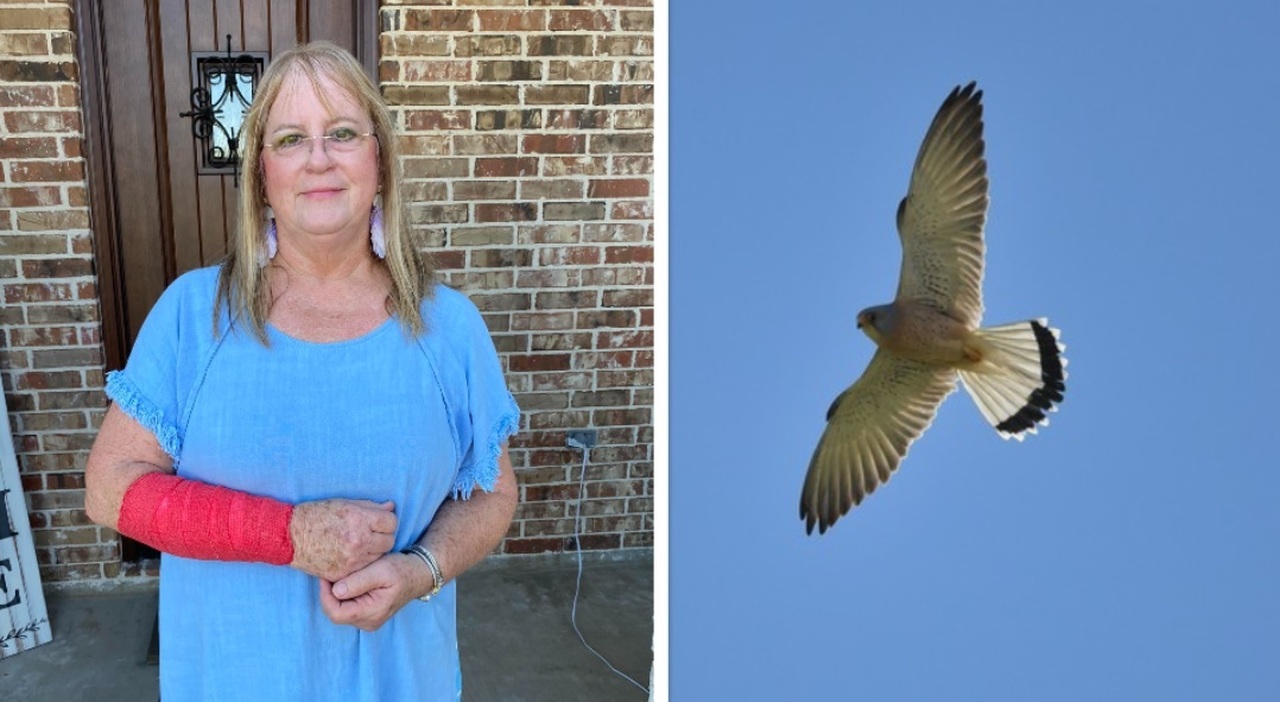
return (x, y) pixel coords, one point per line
(931, 336)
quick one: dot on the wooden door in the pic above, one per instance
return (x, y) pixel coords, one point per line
(156, 212)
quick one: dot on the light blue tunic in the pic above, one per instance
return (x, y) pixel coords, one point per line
(380, 417)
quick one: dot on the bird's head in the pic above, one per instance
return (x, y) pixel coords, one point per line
(876, 321)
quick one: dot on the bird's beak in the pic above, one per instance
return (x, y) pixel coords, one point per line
(861, 320)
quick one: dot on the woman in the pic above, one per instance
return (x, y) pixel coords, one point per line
(306, 462)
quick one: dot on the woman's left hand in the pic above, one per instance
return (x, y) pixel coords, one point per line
(368, 597)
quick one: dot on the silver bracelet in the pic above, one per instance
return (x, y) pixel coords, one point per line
(437, 577)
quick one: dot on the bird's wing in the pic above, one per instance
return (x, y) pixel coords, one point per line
(869, 428)
(940, 220)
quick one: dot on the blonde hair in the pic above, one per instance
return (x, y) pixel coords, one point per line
(242, 282)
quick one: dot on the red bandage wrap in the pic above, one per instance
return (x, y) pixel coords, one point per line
(196, 520)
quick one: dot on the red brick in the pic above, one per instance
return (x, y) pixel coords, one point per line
(27, 95)
(553, 144)
(484, 190)
(68, 95)
(628, 254)
(593, 319)
(622, 95)
(549, 278)
(611, 360)
(71, 573)
(56, 267)
(489, 44)
(628, 298)
(560, 233)
(47, 171)
(618, 187)
(626, 340)
(580, 20)
(632, 209)
(614, 232)
(489, 120)
(507, 212)
(625, 46)
(551, 189)
(558, 420)
(632, 164)
(512, 20)
(414, 44)
(508, 70)
(574, 165)
(600, 542)
(436, 120)
(441, 71)
(38, 71)
(635, 20)
(506, 167)
(562, 381)
(14, 44)
(569, 255)
(532, 545)
(489, 302)
(485, 144)
(30, 196)
(42, 121)
(439, 20)
(54, 17)
(542, 321)
(582, 71)
(499, 258)
(566, 94)
(33, 380)
(544, 493)
(488, 95)
(561, 45)
(567, 299)
(43, 336)
(66, 481)
(539, 362)
(577, 119)
(611, 417)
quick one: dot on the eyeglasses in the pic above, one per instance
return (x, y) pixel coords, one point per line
(342, 140)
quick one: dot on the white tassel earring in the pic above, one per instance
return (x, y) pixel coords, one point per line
(376, 235)
(269, 245)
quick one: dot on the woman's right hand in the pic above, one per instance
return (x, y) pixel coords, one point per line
(334, 538)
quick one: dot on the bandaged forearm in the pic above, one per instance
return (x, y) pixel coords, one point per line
(196, 520)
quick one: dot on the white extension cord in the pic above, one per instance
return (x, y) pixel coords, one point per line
(577, 542)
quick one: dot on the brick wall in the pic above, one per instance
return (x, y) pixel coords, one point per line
(529, 140)
(528, 134)
(50, 354)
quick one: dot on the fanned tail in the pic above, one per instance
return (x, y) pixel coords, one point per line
(1021, 376)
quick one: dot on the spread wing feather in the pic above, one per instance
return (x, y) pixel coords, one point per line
(869, 429)
(941, 219)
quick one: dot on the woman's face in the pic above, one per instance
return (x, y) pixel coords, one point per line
(316, 189)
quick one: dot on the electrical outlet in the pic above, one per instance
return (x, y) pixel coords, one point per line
(581, 438)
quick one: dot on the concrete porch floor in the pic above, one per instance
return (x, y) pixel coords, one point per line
(516, 641)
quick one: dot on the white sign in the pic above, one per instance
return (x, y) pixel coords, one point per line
(24, 621)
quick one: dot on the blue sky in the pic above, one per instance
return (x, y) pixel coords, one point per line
(1131, 550)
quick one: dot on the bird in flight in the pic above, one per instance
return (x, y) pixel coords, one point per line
(930, 335)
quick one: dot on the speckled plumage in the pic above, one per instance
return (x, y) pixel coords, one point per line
(929, 336)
